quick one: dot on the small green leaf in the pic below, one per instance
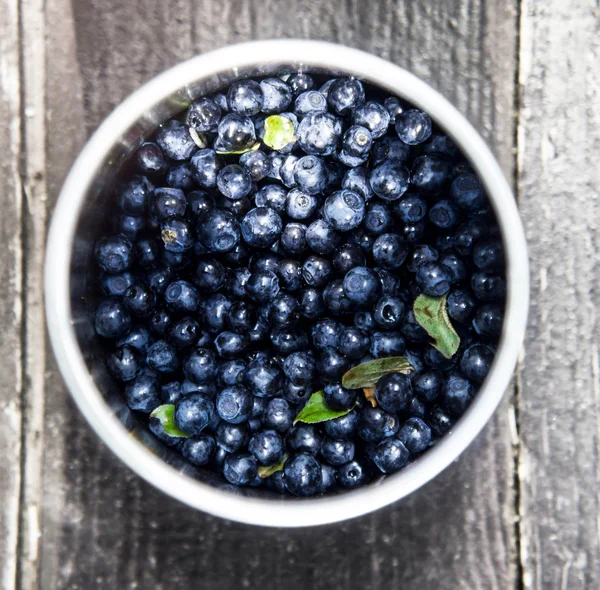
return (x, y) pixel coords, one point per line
(279, 131)
(271, 469)
(367, 374)
(315, 410)
(165, 414)
(252, 148)
(431, 314)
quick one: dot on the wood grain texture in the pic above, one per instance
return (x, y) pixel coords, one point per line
(10, 293)
(559, 187)
(105, 528)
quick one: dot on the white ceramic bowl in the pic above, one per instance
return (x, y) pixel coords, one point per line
(77, 220)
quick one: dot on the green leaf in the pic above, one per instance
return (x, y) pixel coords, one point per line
(279, 131)
(271, 469)
(165, 414)
(252, 148)
(367, 374)
(316, 410)
(431, 314)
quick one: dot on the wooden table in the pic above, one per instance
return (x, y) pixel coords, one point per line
(519, 510)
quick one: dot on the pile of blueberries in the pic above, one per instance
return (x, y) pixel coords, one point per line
(236, 280)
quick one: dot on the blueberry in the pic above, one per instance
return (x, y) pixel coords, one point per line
(240, 469)
(444, 242)
(183, 332)
(390, 149)
(310, 102)
(389, 312)
(338, 397)
(416, 408)
(299, 367)
(365, 321)
(170, 393)
(375, 424)
(111, 319)
(245, 97)
(394, 392)
(256, 163)
(139, 300)
(293, 238)
(262, 286)
(263, 379)
(234, 404)
(310, 303)
(296, 393)
(344, 210)
(319, 134)
(199, 449)
(205, 166)
(218, 230)
(390, 283)
(162, 357)
(488, 287)
(114, 254)
(440, 421)
(357, 141)
(231, 372)
(378, 218)
(488, 255)
(347, 257)
(374, 116)
(209, 276)
(440, 144)
(276, 160)
(427, 384)
(384, 344)
(265, 262)
(345, 95)
(457, 393)
(389, 251)
(177, 234)
(159, 321)
(331, 365)
(476, 361)
(182, 296)
(460, 305)
(134, 195)
(431, 173)
(468, 193)
(283, 311)
(175, 141)
(231, 344)
(193, 413)
(266, 447)
(344, 427)
(300, 83)
(175, 260)
(353, 343)
(138, 337)
(261, 227)
(455, 265)
(393, 106)
(124, 363)
(487, 321)
(231, 437)
(413, 126)
(434, 279)
(146, 253)
(337, 452)
(358, 180)
(321, 237)
(328, 477)
(300, 205)
(200, 365)
(180, 176)
(273, 196)
(302, 475)
(304, 438)
(310, 174)
(467, 235)
(410, 208)
(325, 334)
(350, 160)
(278, 415)
(130, 226)
(142, 393)
(335, 299)
(241, 317)
(316, 271)
(434, 359)
(352, 475)
(277, 95)
(234, 182)
(150, 159)
(204, 115)
(390, 455)
(389, 180)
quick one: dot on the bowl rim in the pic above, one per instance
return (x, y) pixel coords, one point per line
(250, 510)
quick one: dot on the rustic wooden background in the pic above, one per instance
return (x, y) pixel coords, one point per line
(521, 509)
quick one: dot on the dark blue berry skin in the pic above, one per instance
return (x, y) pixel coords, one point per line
(434, 279)
(411, 329)
(321, 237)
(394, 392)
(231, 437)
(375, 424)
(209, 389)
(467, 235)
(413, 126)
(389, 180)
(358, 180)
(440, 421)
(199, 450)
(238, 282)
(276, 159)
(316, 271)
(331, 365)
(390, 283)
(325, 334)
(488, 321)
(273, 196)
(310, 303)
(158, 430)
(234, 182)
(142, 393)
(261, 227)
(390, 149)
(468, 193)
(443, 215)
(175, 141)
(362, 285)
(231, 372)
(389, 312)
(427, 384)
(460, 305)
(278, 415)
(130, 226)
(440, 144)
(300, 83)
(245, 97)
(241, 317)
(457, 393)
(205, 166)
(218, 230)
(310, 174)
(476, 361)
(240, 469)
(345, 427)
(194, 413)
(319, 134)
(352, 475)
(299, 367)
(182, 296)
(177, 234)
(300, 205)
(293, 239)
(344, 210)
(256, 163)
(350, 160)
(357, 141)
(488, 255)
(258, 407)
(162, 357)
(114, 254)
(309, 102)
(345, 95)
(282, 311)
(393, 106)
(150, 159)
(266, 447)
(378, 218)
(180, 176)
(219, 456)
(204, 115)
(431, 173)
(337, 452)
(200, 366)
(390, 455)
(304, 438)
(488, 287)
(365, 321)
(411, 208)
(111, 319)
(124, 363)
(138, 337)
(139, 300)
(416, 409)
(159, 322)
(415, 232)
(236, 133)
(338, 397)
(444, 242)
(263, 379)
(231, 345)
(384, 344)
(175, 260)
(168, 202)
(353, 343)
(262, 286)
(275, 482)
(234, 404)
(328, 477)
(296, 393)
(420, 255)
(389, 251)
(146, 252)
(277, 95)
(335, 299)
(456, 265)
(374, 116)
(170, 393)
(215, 310)
(209, 276)
(264, 262)
(348, 257)
(302, 475)
(133, 196)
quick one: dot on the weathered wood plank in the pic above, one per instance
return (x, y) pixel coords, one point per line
(458, 532)
(559, 188)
